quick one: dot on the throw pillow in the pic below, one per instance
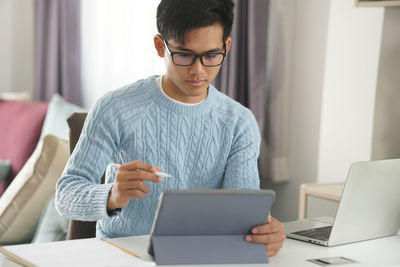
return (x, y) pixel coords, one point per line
(22, 202)
(52, 226)
(55, 122)
(20, 123)
(5, 166)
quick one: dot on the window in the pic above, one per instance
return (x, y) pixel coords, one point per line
(117, 45)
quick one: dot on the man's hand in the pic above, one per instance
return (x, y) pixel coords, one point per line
(272, 234)
(129, 183)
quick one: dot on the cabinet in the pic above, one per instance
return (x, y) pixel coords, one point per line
(378, 3)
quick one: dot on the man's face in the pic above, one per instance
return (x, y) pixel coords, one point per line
(189, 84)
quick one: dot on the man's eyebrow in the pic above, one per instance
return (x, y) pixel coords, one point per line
(180, 47)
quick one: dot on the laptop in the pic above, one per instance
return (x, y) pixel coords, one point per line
(369, 208)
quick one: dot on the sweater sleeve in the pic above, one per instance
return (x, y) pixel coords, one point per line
(241, 170)
(79, 193)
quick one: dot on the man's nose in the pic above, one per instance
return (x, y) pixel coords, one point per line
(197, 67)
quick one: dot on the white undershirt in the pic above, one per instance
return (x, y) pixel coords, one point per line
(159, 85)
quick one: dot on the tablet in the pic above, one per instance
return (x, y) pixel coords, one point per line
(209, 227)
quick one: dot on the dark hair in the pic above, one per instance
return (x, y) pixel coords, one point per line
(176, 17)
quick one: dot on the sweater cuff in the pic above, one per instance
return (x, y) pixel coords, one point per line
(111, 213)
(115, 212)
(103, 195)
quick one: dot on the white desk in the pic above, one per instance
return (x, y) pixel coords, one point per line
(384, 251)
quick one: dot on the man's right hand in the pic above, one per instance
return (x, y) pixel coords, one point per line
(129, 183)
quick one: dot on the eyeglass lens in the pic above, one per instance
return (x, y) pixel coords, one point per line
(211, 59)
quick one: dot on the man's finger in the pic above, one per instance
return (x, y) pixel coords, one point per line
(134, 185)
(266, 229)
(135, 194)
(272, 249)
(138, 174)
(272, 226)
(266, 238)
(137, 164)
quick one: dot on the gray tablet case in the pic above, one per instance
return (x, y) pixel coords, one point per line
(209, 227)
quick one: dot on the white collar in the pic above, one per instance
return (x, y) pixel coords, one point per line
(159, 85)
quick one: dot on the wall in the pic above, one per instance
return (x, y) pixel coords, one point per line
(351, 68)
(332, 77)
(16, 46)
(386, 133)
(301, 48)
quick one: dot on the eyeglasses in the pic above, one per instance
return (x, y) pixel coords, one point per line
(211, 59)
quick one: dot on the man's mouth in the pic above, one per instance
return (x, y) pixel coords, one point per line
(196, 83)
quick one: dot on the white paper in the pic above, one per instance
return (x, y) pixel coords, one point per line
(83, 252)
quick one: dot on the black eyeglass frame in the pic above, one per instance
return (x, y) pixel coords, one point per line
(195, 56)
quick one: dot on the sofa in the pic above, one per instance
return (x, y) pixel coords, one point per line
(34, 149)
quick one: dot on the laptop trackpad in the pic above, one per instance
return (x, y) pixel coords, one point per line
(301, 225)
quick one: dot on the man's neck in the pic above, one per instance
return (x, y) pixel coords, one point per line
(169, 87)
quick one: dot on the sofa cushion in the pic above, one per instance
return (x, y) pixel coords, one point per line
(52, 226)
(55, 122)
(22, 203)
(5, 167)
(20, 123)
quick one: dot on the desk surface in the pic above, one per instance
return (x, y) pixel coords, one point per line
(383, 251)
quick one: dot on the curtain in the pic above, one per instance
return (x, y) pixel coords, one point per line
(244, 77)
(117, 45)
(243, 74)
(57, 56)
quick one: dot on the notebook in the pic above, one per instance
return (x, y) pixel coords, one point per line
(369, 207)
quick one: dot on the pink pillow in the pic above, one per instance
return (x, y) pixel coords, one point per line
(20, 126)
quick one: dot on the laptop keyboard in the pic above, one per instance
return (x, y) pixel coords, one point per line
(320, 233)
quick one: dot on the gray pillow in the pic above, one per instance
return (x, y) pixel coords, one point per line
(51, 226)
(55, 122)
(5, 167)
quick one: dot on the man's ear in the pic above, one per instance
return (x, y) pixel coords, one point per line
(228, 44)
(159, 45)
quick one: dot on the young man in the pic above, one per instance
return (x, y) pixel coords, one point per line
(178, 123)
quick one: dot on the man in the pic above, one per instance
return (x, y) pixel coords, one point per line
(178, 123)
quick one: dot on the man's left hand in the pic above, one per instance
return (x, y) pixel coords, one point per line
(272, 234)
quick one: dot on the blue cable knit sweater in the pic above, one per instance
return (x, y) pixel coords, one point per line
(211, 145)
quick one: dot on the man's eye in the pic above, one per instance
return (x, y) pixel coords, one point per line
(211, 56)
(185, 55)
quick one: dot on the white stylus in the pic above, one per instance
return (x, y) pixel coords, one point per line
(160, 174)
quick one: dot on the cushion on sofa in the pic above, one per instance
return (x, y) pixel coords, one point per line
(5, 167)
(22, 203)
(52, 226)
(20, 123)
(55, 122)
